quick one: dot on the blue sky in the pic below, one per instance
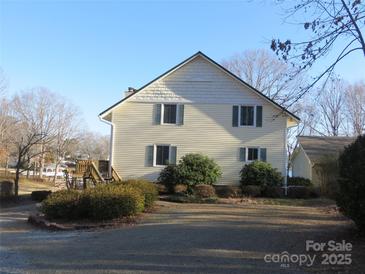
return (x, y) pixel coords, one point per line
(90, 52)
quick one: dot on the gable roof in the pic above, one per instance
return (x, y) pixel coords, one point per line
(199, 53)
(318, 147)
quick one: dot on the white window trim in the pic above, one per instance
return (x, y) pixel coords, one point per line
(162, 114)
(258, 154)
(254, 115)
(155, 154)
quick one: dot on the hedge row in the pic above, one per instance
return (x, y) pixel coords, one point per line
(103, 202)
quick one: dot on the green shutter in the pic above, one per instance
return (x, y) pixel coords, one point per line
(242, 154)
(235, 116)
(149, 155)
(180, 120)
(157, 114)
(173, 152)
(258, 116)
(263, 154)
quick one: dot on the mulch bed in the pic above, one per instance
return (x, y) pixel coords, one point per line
(39, 220)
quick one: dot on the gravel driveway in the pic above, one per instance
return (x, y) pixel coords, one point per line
(177, 238)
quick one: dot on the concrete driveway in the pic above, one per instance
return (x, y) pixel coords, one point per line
(177, 238)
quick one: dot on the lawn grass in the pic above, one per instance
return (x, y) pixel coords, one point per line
(296, 202)
(26, 186)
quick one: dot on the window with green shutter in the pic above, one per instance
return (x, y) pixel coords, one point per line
(246, 116)
(162, 155)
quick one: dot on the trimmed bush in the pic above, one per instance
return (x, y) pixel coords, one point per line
(112, 201)
(251, 190)
(179, 188)
(40, 195)
(301, 192)
(6, 189)
(162, 189)
(194, 169)
(260, 174)
(148, 189)
(299, 181)
(169, 177)
(204, 191)
(62, 204)
(272, 192)
(100, 203)
(352, 182)
(228, 191)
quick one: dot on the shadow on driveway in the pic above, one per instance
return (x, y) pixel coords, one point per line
(177, 238)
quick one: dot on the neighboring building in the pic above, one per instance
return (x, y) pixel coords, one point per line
(196, 107)
(313, 151)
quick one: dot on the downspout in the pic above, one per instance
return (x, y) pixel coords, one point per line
(286, 161)
(110, 144)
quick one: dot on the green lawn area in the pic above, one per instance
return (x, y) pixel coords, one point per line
(296, 202)
(26, 186)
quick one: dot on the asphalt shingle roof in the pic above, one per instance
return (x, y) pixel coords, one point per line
(318, 147)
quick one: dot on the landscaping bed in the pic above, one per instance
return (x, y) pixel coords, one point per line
(107, 205)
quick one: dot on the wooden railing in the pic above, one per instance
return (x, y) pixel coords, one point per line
(94, 174)
(89, 169)
(115, 176)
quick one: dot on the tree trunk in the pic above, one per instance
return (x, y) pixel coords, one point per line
(16, 181)
(55, 173)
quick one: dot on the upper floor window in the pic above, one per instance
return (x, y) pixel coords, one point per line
(247, 116)
(169, 114)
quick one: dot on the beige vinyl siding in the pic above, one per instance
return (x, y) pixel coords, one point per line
(208, 94)
(301, 166)
(207, 129)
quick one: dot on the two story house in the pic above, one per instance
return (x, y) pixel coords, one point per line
(196, 107)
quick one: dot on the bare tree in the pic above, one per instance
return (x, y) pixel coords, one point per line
(67, 130)
(5, 120)
(93, 145)
(355, 107)
(33, 126)
(331, 106)
(3, 84)
(262, 70)
(332, 24)
(308, 125)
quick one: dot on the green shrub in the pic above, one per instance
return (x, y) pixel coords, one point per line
(228, 191)
(272, 191)
(251, 190)
(352, 182)
(62, 204)
(179, 188)
(40, 195)
(204, 191)
(148, 189)
(100, 203)
(161, 189)
(260, 174)
(299, 181)
(112, 201)
(301, 192)
(194, 169)
(169, 177)
(6, 189)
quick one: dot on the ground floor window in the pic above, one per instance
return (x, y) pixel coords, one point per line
(162, 155)
(249, 154)
(252, 154)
